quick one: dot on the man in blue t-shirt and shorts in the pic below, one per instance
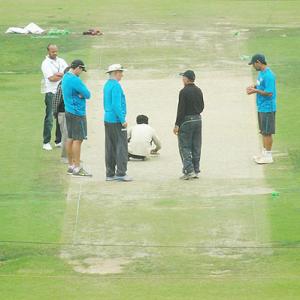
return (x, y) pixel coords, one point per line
(75, 94)
(265, 90)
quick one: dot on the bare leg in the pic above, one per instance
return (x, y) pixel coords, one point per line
(76, 148)
(268, 142)
(69, 144)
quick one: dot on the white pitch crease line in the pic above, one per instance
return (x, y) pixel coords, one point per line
(77, 215)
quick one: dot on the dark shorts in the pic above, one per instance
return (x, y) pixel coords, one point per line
(266, 122)
(77, 128)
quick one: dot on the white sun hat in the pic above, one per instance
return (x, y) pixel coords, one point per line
(115, 67)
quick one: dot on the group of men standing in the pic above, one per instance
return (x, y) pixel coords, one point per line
(66, 95)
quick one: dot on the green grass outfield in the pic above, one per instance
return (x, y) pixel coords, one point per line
(32, 185)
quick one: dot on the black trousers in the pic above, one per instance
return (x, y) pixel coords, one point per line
(57, 132)
(190, 142)
(116, 149)
(48, 121)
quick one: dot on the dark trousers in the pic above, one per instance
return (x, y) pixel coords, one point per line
(116, 149)
(190, 142)
(48, 121)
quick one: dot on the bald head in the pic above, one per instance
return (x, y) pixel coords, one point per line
(52, 51)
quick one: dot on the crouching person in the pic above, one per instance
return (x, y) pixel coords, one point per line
(142, 139)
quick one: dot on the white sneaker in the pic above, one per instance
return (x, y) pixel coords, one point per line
(58, 145)
(47, 147)
(264, 160)
(125, 178)
(263, 154)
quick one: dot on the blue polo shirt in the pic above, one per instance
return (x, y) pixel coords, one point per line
(266, 82)
(114, 102)
(75, 94)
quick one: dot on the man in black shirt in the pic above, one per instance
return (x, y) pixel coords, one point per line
(188, 125)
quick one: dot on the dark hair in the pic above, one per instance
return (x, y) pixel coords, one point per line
(142, 119)
(49, 45)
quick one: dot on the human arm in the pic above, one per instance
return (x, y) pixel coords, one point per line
(56, 77)
(157, 143)
(266, 88)
(180, 112)
(117, 95)
(253, 90)
(82, 90)
(48, 73)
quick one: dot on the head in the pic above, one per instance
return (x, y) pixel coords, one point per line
(142, 119)
(52, 51)
(77, 66)
(117, 75)
(258, 61)
(188, 77)
(116, 71)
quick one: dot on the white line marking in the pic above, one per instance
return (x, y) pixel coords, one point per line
(77, 215)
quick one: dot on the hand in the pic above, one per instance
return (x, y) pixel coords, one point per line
(251, 90)
(124, 125)
(176, 130)
(59, 74)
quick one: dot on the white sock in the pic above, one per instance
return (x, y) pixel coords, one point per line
(268, 153)
(71, 166)
(76, 169)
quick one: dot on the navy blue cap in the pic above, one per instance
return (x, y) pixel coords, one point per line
(189, 74)
(78, 63)
(258, 57)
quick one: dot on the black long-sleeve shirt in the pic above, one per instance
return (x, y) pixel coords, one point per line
(190, 103)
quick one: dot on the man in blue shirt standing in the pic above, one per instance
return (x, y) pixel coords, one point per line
(265, 90)
(75, 94)
(116, 146)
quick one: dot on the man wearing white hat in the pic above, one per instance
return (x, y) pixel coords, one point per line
(116, 146)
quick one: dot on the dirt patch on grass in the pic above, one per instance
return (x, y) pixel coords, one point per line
(94, 265)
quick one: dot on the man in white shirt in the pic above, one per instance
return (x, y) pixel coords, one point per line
(53, 70)
(141, 138)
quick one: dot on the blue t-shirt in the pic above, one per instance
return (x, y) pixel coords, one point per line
(75, 94)
(114, 102)
(266, 82)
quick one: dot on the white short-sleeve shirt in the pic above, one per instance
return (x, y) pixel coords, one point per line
(141, 137)
(49, 68)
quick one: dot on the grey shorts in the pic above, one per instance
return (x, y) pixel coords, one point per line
(266, 123)
(76, 126)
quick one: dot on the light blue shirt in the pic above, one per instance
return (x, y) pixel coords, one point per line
(75, 94)
(114, 102)
(266, 82)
